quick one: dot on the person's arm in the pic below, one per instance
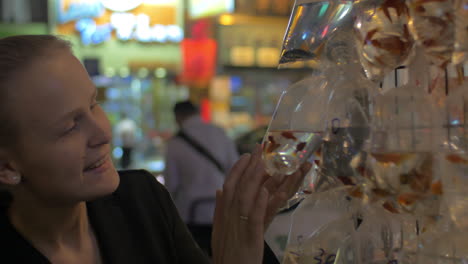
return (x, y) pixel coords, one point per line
(187, 249)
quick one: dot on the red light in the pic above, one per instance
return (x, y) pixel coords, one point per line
(205, 110)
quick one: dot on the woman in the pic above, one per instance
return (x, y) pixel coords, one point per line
(70, 205)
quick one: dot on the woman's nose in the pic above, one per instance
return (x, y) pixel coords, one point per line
(100, 132)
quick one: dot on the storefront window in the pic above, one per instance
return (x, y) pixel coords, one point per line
(139, 106)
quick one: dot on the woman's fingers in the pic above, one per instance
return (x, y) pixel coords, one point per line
(271, 184)
(231, 182)
(242, 208)
(250, 182)
(287, 184)
(284, 191)
(295, 181)
(257, 217)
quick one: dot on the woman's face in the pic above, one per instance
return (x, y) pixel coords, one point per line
(63, 155)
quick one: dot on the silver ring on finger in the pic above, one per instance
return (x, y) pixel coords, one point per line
(244, 218)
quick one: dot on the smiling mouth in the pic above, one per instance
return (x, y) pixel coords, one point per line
(96, 165)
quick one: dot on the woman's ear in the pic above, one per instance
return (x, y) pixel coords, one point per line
(8, 174)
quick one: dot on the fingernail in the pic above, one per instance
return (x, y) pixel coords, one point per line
(244, 156)
(260, 149)
(256, 150)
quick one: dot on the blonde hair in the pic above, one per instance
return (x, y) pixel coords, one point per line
(16, 53)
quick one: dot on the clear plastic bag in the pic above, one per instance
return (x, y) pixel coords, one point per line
(319, 32)
(320, 226)
(454, 157)
(378, 239)
(448, 248)
(460, 55)
(433, 26)
(296, 129)
(322, 116)
(398, 161)
(383, 38)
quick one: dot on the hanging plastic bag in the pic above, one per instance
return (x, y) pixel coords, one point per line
(383, 38)
(398, 162)
(454, 157)
(379, 236)
(320, 225)
(448, 248)
(433, 26)
(296, 129)
(322, 114)
(460, 55)
(319, 31)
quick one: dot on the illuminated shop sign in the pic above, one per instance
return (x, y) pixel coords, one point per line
(121, 5)
(204, 8)
(78, 10)
(98, 21)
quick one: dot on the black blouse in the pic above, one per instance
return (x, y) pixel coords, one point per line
(138, 223)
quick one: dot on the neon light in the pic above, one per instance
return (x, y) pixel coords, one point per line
(175, 33)
(79, 10)
(126, 25)
(159, 33)
(91, 33)
(143, 30)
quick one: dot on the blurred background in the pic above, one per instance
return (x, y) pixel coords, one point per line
(145, 55)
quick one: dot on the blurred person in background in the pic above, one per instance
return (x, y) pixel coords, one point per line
(197, 161)
(126, 130)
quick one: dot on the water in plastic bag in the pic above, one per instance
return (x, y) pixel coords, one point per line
(453, 156)
(455, 182)
(378, 239)
(445, 240)
(296, 129)
(319, 31)
(433, 25)
(347, 128)
(321, 115)
(398, 161)
(460, 55)
(320, 225)
(457, 120)
(448, 248)
(383, 38)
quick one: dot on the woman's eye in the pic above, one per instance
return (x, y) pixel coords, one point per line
(71, 129)
(94, 105)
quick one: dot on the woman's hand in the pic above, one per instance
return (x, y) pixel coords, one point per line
(246, 206)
